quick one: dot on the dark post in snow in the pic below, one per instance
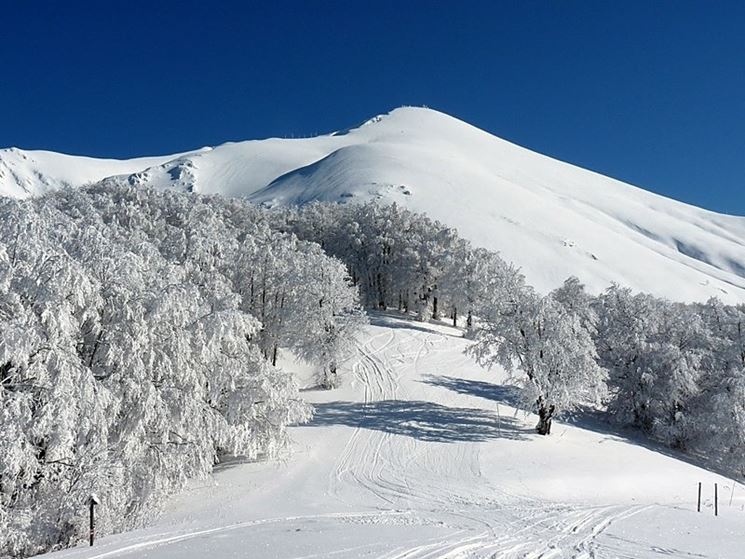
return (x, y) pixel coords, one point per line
(92, 502)
(716, 501)
(698, 509)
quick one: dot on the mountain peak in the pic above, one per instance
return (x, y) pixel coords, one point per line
(405, 115)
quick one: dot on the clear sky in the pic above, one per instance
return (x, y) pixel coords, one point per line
(649, 92)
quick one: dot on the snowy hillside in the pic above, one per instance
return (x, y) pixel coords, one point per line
(30, 173)
(421, 455)
(550, 218)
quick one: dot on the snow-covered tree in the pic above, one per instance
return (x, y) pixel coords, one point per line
(544, 342)
(654, 351)
(720, 406)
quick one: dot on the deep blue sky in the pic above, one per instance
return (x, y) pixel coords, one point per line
(649, 92)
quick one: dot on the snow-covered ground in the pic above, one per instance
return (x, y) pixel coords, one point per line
(550, 218)
(420, 454)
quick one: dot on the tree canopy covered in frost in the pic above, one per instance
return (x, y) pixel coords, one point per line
(656, 351)
(548, 341)
(138, 334)
(400, 259)
(721, 388)
(676, 371)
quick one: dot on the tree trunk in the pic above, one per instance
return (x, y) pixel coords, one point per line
(545, 417)
(435, 311)
(95, 348)
(381, 292)
(274, 356)
(455, 317)
(469, 320)
(422, 309)
(330, 377)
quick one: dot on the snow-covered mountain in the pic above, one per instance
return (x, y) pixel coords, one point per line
(551, 218)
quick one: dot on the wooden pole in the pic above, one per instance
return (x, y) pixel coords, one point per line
(699, 497)
(92, 528)
(716, 501)
(499, 421)
(92, 502)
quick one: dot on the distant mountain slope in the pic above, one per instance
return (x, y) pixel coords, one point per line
(30, 173)
(551, 218)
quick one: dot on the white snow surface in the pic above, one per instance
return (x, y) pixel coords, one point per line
(550, 218)
(25, 173)
(419, 455)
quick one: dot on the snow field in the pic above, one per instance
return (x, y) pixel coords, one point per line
(420, 454)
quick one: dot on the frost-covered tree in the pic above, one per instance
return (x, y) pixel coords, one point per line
(277, 276)
(544, 342)
(655, 352)
(471, 279)
(720, 411)
(49, 401)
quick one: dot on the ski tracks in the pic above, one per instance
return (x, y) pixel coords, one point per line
(432, 490)
(553, 534)
(505, 526)
(361, 463)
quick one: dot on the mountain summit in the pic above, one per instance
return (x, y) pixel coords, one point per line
(550, 218)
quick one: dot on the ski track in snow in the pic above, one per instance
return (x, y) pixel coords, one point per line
(434, 491)
(372, 459)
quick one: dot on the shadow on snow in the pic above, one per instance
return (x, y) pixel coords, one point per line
(504, 394)
(584, 418)
(401, 320)
(425, 421)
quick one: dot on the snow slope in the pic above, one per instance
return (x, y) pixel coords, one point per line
(421, 455)
(31, 173)
(551, 218)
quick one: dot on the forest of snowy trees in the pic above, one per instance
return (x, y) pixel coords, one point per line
(140, 332)
(138, 337)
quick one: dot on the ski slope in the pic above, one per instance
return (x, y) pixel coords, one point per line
(421, 455)
(550, 218)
